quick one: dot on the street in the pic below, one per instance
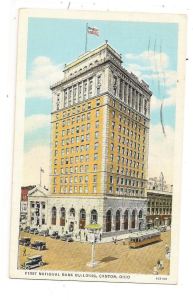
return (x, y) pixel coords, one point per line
(112, 257)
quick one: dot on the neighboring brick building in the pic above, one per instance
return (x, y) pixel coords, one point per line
(24, 199)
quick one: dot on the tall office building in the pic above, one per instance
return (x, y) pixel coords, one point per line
(99, 145)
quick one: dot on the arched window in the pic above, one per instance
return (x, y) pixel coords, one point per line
(133, 219)
(94, 216)
(82, 218)
(72, 212)
(117, 220)
(140, 214)
(54, 215)
(108, 221)
(126, 219)
(62, 216)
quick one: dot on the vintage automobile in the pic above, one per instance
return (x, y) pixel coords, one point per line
(25, 241)
(33, 262)
(163, 228)
(38, 245)
(66, 238)
(33, 230)
(55, 235)
(27, 229)
(44, 233)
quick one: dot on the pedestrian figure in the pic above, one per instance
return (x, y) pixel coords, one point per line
(115, 240)
(100, 236)
(76, 236)
(24, 251)
(158, 263)
(161, 264)
(155, 270)
(167, 249)
(84, 233)
(124, 242)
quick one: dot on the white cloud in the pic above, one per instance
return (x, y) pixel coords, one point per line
(167, 78)
(43, 74)
(34, 159)
(161, 152)
(154, 60)
(168, 101)
(36, 121)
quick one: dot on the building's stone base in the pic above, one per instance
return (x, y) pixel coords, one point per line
(122, 213)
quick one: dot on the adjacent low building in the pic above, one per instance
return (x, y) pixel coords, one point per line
(159, 204)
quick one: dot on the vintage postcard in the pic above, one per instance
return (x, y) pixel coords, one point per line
(98, 146)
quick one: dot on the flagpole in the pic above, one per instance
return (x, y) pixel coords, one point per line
(86, 36)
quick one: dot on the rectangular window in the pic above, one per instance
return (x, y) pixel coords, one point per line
(88, 116)
(95, 167)
(94, 189)
(97, 124)
(96, 135)
(95, 178)
(95, 156)
(87, 147)
(96, 146)
(97, 102)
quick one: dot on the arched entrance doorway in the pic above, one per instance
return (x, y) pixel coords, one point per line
(126, 220)
(117, 220)
(108, 221)
(72, 216)
(54, 215)
(133, 219)
(62, 216)
(94, 216)
(82, 218)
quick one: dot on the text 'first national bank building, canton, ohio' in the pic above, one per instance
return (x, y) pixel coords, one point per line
(99, 148)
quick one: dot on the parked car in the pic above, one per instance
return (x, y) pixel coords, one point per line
(55, 235)
(33, 230)
(20, 228)
(38, 245)
(66, 238)
(27, 229)
(25, 241)
(44, 233)
(163, 228)
(33, 262)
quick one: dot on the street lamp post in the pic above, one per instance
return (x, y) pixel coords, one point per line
(94, 233)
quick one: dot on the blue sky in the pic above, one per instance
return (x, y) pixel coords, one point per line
(148, 49)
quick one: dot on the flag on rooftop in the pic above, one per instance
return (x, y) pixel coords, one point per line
(41, 170)
(93, 31)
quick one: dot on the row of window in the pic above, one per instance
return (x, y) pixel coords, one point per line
(76, 159)
(128, 112)
(82, 128)
(159, 211)
(131, 173)
(133, 125)
(83, 117)
(70, 179)
(126, 191)
(125, 181)
(75, 189)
